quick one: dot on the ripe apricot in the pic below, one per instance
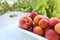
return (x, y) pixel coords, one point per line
(25, 22)
(46, 29)
(44, 23)
(53, 22)
(57, 28)
(38, 30)
(33, 14)
(51, 35)
(44, 17)
(37, 19)
(34, 25)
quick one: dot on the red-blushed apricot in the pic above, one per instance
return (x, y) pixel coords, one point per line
(33, 14)
(59, 21)
(37, 19)
(34, 25)
(25, 22)
(44, 17)
(46, 29)
(38, 30)
(57, 28)
(44, 23)
(51, 35)
(53, 22)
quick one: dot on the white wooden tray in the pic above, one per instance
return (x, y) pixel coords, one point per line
(9, 29)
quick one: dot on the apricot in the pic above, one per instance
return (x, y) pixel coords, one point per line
(37, 19)
(34, 25)
(53, 22)
(51, 35)
(59, 21)
(44, 23)
(38, 30)
(44, 17)
(33, 14)
(25, 22)
(46, 29)
(57, 28)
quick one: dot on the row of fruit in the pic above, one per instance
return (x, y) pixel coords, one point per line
(41, 25)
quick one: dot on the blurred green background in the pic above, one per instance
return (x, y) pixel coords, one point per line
(50, 8)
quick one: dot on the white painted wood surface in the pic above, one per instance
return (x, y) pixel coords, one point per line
(9, 29)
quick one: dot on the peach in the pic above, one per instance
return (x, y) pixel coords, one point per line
(38, 30)
(33, 14)
(51, 35)
(37, 19)
(57, 28)
(44, 23)
(53, 22)
(25, 22)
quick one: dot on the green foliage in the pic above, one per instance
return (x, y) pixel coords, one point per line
(54, 8)
(56, 12)
(27, 6)
(4, 7)
(50, 8)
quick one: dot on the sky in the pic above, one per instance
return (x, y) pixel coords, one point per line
(9, 1)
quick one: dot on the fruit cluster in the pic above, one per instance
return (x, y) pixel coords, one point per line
(41, 25)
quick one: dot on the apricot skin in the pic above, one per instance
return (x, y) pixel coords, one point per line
(53, 22)
(57, 28)
(25, 22)
(37, 19)
(44, 23)
(38, 30)
(51, 35)
(33, 14)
